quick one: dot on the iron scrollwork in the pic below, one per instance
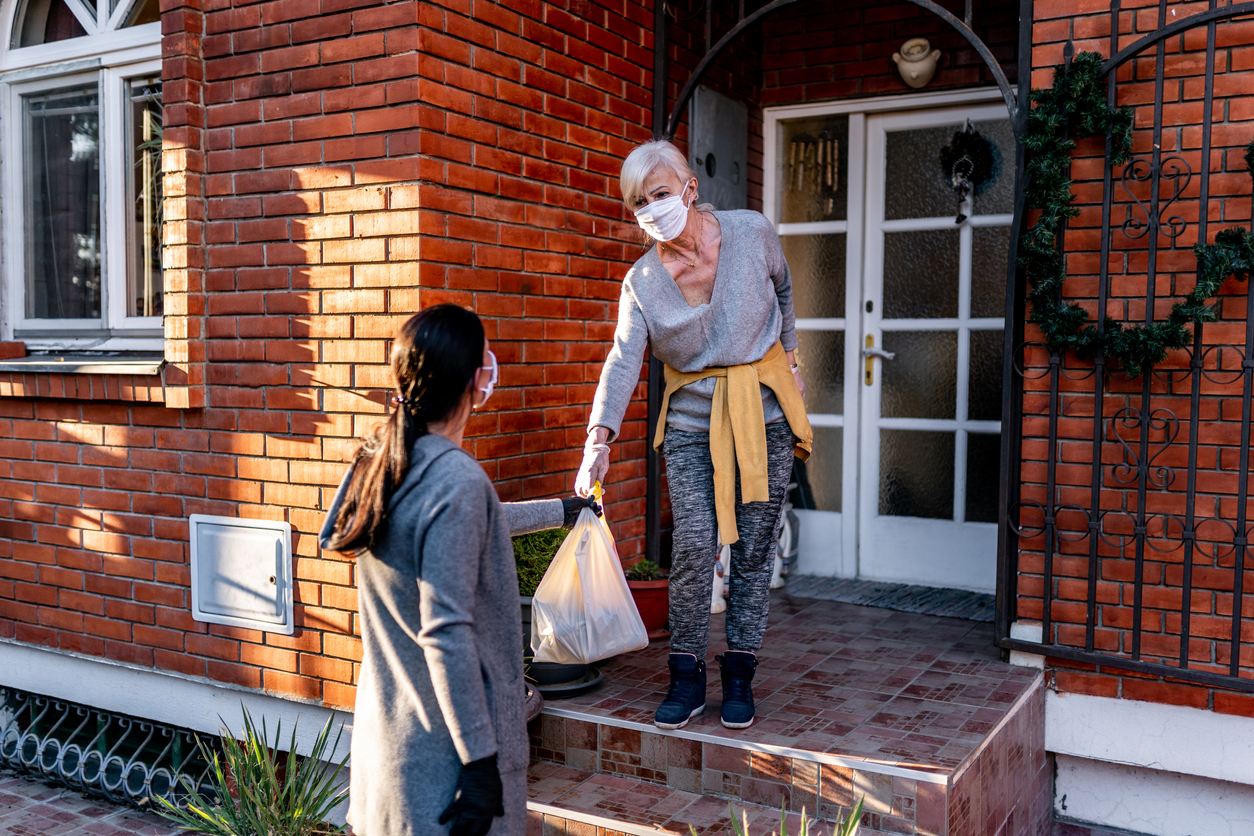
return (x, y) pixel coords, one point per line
(1138, 170)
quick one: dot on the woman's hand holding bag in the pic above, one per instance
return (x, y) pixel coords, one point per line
(583, 611)
(595, 465)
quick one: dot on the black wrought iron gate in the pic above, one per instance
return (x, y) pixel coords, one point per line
(1127, 498)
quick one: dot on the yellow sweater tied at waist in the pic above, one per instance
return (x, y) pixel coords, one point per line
(738, 428)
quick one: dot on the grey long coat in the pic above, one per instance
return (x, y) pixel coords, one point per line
(442, 678)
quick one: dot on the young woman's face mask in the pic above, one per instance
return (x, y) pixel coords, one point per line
(664, 219)
(493, 378)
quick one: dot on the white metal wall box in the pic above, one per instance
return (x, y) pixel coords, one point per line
(242, 573)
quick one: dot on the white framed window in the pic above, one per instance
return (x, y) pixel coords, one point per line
(80, 180)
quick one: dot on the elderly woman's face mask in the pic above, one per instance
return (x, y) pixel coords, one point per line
(664, 219)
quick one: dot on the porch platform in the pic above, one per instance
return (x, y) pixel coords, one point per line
(917, 714)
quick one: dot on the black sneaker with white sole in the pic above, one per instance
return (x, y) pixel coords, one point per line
(685, 698)
(737, 668)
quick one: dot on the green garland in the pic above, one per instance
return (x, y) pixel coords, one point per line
(1077, 100)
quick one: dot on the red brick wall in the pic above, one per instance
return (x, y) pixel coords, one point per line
(1219, 414)
(333, 166)
(824, 49)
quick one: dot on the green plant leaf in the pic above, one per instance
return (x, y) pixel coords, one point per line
(532, 555)
(261, 791)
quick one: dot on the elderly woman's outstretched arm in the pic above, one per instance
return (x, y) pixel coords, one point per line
(621, 373)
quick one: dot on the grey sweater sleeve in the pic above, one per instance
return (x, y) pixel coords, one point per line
(536, 515)
(782, 278)
(621, 372)
(451, 555)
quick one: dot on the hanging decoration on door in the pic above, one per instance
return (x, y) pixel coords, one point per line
(1077, 100)
(970, 165)
(814, 170)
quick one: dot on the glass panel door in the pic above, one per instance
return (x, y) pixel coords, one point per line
(819, 171)
(932, 327)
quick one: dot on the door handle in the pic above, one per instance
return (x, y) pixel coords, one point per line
(870, 353)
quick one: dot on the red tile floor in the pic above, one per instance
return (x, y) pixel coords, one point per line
(912, 690)
(916, 714)
(29, 808)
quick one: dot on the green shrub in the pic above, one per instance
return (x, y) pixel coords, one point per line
(260, 791)
(533, 553)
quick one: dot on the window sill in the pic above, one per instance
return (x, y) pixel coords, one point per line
(84, 377)
(70, 364)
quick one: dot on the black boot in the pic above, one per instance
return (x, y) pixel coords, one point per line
(685, 698)
(737, 667)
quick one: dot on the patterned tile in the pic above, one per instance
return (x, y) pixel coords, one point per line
(29, 808)
(895, 688)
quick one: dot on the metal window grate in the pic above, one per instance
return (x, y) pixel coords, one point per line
(124, 759)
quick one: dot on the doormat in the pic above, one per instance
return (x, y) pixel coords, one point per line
(925, 600)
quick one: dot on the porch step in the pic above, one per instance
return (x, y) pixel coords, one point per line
(914, 714)
(564, 800)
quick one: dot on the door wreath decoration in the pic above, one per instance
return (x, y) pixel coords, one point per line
(970, 165)
(1077, 100)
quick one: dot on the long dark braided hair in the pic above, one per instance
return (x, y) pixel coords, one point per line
(434, 359)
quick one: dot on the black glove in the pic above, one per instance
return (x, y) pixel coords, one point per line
(572, 505)
(477, 801)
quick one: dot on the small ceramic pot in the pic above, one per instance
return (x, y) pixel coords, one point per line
(653, 599)
(916, 61)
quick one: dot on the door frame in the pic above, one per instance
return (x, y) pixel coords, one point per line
(846, 564)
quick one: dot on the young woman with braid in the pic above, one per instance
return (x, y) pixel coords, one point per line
(439, 736)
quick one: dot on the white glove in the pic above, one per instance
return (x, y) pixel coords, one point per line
(596, 464)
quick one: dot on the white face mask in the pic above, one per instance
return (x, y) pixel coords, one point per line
(664, 219)
(493, 379)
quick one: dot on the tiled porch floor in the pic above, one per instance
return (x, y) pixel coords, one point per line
(896, 688)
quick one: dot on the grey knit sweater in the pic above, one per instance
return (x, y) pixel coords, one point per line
(441, 679)
(750, 309)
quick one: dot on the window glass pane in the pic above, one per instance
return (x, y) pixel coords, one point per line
(917, 188)
(819, 477)
(821, 358)
(145, 11)
(62, 204)
(922, 380)
(984, 390)
(46, 21)
(999, 196)
(917, 474)
(817, 265)
(814, 181)
(983, 475)
(144, 296)
(990, 256)
(921, 274)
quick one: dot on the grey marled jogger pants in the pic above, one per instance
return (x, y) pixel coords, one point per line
(690, 474)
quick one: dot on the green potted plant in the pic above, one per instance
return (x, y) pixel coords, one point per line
(532, 555)
(650, 588)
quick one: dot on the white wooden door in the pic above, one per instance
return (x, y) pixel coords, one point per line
(931, 323)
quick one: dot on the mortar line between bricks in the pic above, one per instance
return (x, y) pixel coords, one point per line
(1037, 684)
(765, 748)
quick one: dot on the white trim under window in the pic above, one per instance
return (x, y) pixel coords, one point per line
(103, 63)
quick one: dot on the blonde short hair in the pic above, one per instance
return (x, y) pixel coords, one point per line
(641, 162)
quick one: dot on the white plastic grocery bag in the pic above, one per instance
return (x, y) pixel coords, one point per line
(582, 610)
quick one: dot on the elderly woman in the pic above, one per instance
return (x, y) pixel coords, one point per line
(713, 301)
